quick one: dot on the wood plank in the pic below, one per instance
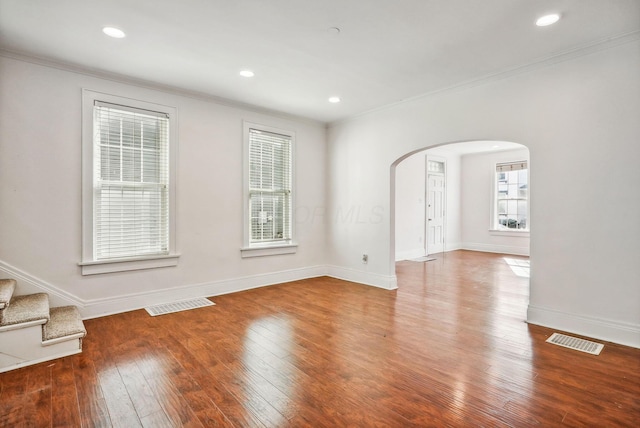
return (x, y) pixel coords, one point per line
(38, 408)
(91, 402)
(65, 411)
(448, 348)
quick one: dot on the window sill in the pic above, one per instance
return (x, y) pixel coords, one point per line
(123, 265)
(268, 250)
(502, 232)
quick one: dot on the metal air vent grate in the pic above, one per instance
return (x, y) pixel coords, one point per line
(185, 305)
(575, 343)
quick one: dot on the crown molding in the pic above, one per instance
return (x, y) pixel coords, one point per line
(540, 63)
(151, 85)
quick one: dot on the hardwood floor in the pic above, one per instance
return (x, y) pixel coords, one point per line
(448, 348)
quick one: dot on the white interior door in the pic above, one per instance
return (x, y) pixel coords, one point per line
(435, 213)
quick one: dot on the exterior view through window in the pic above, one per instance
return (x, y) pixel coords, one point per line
(512, 196)
(270, 207)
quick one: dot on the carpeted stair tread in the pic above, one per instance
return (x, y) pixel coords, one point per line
(32, 307)
(7, 286)
(65, 321)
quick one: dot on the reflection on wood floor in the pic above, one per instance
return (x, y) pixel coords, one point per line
(448, 348)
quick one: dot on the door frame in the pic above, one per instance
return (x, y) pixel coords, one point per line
(428, 158)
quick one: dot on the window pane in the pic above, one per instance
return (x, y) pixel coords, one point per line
(523, 176)
(502, 207)
(270, 186)
(128, 131)
(131, 166)
(511, 198)
(109, 164)
(152, 167)
(131, 218)
(435, 166)
(269, 217)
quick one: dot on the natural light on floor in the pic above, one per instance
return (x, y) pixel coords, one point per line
(518, 266)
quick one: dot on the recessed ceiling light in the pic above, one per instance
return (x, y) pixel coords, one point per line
(113, 32)
(547, 20)
(334, 100)
(247, 73)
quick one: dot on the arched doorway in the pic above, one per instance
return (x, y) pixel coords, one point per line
(485, 209)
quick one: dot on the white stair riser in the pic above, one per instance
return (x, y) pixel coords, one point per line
(23, 347)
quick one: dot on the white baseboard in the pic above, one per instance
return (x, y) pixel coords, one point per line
(29, 284)
(597, 328)
(388, 282)
(117, 304)
(452, 247)
(420, 252)
(603, 329)
(492, 248)
(128, 302)
(409, 254)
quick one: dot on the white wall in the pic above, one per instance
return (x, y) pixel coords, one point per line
(410, 211)
(579, 119)
(40, 191)
(478, 183)
(410, 204)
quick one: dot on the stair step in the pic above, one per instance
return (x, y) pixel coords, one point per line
(7, 286)
(30, 309)
(65, 321)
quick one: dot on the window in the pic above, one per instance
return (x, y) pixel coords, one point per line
(268, 191)
(127, 185)
(512, 195)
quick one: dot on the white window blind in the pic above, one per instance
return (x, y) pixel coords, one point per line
(131, 182)
(269, 187)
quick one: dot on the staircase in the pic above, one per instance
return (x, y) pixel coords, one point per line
(31, 332)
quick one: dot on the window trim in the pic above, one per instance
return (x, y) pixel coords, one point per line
(493, 226)
(89, 265)
(265, 248)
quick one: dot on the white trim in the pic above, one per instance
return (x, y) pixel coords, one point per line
(521, 233)
(18, 365)
(277, 247)
(23, 347)
(20, 325)
(89, 265)
(493, 248)
(129, 302)
(506, 73)
(123, 265)
(617, 332)
(445, 197)
(388, 282)
(94, 308)
(268, 250)
(410, 254)
(28, 284)
(51, 342)
(598, 328)
(146, 84)
(453, 246)
(506, 158)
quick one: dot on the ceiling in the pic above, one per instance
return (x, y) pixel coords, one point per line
(472, 147)
(385, 51)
